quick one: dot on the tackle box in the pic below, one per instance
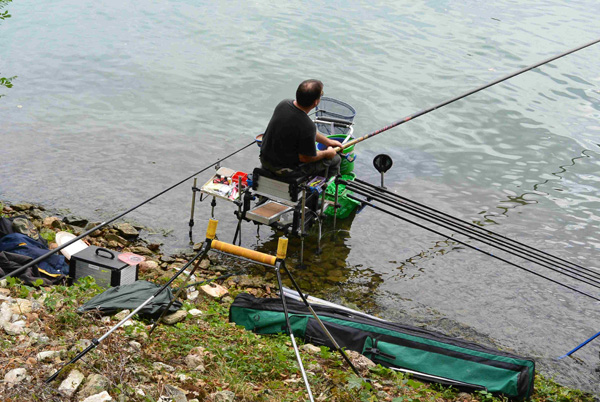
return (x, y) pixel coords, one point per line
(103, 265)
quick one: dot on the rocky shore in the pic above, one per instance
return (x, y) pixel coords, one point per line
(194, 355)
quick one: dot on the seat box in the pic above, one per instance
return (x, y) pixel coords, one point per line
(103, 265)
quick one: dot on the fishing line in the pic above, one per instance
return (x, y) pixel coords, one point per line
(378, 198)
(474, 248)
(103, 224)
(451, 100)
(488, 233)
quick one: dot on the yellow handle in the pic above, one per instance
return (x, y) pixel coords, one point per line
(282, 248)
(211, 231)
(243, 252)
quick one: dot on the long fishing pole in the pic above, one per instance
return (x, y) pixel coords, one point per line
(403, 208)
(474, 248)
(472, 225)
(451, 100)
(103, 224)
(375, 193)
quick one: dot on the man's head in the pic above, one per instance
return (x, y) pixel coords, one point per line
(308, 92)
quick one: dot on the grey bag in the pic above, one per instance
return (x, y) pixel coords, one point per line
(130, 297)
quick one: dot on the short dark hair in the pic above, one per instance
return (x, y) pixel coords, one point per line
(308, 91)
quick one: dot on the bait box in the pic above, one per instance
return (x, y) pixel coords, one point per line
(103, 265)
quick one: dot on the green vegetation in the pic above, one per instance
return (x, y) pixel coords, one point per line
(5, 81)
(255, 368)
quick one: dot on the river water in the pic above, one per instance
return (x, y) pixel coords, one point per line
(115, 101)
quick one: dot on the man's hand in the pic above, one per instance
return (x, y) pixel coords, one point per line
(334, 143)
(329, 153)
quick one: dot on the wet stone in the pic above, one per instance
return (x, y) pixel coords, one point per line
(126, 230)
(75, 221)
(142, 251)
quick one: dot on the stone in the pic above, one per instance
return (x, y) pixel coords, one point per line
(204, 264)
(175, 317)
(14, 328)
(222, 396)
(22, 306)
(362, 363)
(22, 207)
(94, 384)
(310, 348)
(5, 313)
(15, 376)
(92, 225)
(70, 384)
(101, 397)
(58, 224)
(161, 366)
(193, 295)
(49, 221)
(195, 312)
(246, 281)
(142, 250)
(48, 355)
(215, 290)
(135, 345)
(176, 394)
(167, 259)
(75, 221)
(149, 266)
(121, 314)
(116, 238)
(126, 230)
(39, 214)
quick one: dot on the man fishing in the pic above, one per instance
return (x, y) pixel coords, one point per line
(288, 148)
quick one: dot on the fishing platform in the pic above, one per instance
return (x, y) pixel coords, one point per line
(288, 204)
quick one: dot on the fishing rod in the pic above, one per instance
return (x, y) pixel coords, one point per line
(474, 226)
(473, 247)
(371, 194)
(514, 246)
(103, 224)
(464, 95)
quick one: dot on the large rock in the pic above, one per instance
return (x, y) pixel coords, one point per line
(94, 384)
(22, 207)
(15, 376)
(71, 383)
(75, 221)
(126, 230)
(176, 317)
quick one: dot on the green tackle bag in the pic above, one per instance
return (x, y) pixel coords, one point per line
(433, 356)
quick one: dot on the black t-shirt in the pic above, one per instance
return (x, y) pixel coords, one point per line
(289, 133)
